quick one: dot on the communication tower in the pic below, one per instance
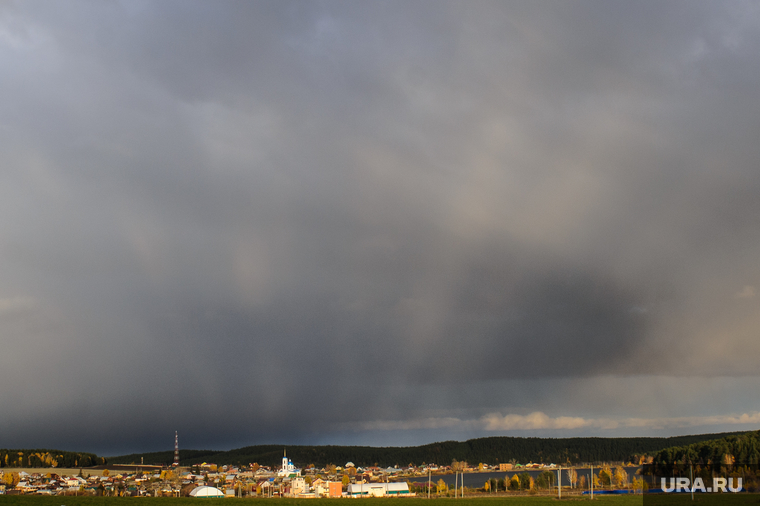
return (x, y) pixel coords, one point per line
(176, 450)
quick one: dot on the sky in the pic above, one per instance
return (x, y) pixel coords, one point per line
(376, 223)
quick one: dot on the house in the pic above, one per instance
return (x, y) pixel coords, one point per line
(297, 485)
(335, 489)
(324, 488)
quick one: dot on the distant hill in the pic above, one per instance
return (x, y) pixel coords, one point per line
(741, 449)
(48, 458)
(490, 450)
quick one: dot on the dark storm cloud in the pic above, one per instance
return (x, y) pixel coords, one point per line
(261, 221)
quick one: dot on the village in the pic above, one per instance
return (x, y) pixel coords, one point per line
(210, 480)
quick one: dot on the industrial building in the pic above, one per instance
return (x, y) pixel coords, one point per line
(379, 489)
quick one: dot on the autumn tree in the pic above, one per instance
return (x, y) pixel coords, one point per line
(605, 476)
(11, 479)
(572, 476)
(621, 477)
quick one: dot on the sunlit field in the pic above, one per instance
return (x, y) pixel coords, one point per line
(630, 500)
(168, 501)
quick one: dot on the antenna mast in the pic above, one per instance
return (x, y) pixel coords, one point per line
(176, 449)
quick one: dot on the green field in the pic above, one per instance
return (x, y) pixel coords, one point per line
(168, 501)
(632, 500)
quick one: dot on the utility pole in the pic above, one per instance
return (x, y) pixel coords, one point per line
(430, 474)
(559, 483)
(691, 475)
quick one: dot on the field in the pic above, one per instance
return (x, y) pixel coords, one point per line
(167, 501)
(637, 500)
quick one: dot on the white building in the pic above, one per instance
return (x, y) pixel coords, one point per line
(298, 486)
(378, 489)
(206, 492)
(287, 469)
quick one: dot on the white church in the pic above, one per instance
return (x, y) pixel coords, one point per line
(287, 469)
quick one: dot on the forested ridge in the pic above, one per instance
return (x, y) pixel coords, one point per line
(48, 458)
(736, 449)
(490, 450)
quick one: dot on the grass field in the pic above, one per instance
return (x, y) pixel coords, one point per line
(169, 501)
(637, 500)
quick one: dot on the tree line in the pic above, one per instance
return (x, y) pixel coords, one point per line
(48, 458)
(734, 450)
(490, 450)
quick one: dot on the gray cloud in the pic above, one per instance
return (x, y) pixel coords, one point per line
(264, 221)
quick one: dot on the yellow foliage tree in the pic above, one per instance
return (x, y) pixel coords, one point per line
(621, 478)
(514, 483)
(11, 479)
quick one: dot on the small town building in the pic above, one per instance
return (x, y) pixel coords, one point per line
(206, 492)
(287, 469)
(378, 489)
